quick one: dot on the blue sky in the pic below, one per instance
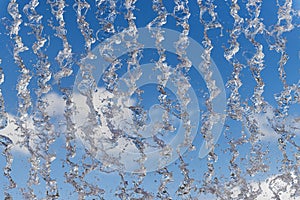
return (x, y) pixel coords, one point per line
(220, 38)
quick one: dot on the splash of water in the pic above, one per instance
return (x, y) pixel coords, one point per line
(39, 135)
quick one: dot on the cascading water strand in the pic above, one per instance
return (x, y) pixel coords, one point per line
(41, 119)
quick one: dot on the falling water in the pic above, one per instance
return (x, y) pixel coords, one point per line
(96, 140)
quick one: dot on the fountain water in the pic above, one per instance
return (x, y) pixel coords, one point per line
(150, 100)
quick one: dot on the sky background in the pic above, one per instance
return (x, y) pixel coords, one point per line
(233, 129)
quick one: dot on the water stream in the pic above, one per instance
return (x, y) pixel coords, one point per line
(163, 100)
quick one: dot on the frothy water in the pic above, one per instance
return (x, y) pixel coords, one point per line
(164, 100)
